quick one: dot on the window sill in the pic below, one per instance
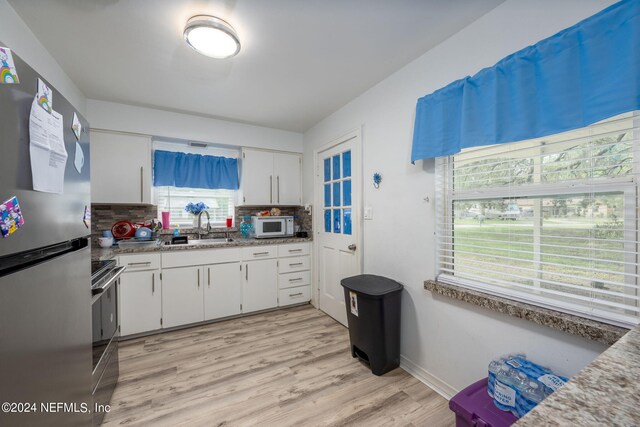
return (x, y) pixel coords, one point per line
(574, 325)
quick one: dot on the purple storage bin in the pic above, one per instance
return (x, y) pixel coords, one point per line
(474, 408)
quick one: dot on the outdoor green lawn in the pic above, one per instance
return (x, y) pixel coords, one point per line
(514, 239)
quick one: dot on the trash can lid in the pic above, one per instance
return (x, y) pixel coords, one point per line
(370, 284)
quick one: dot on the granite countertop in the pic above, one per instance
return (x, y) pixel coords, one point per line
(575, 325)
(102, 254)
(605, 393)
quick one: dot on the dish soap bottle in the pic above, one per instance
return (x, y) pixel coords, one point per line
(246, 228)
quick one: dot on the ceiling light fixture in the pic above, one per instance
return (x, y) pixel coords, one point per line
(211, 36)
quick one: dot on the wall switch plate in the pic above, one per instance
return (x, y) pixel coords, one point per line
(368, 212)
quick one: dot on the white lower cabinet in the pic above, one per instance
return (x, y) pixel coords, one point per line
(184, 287)
(223, 290)
(140, 295)
(182, 296)
(260, 285)
(294, 275)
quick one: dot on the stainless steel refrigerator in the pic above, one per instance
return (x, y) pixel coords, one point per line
(45, 296)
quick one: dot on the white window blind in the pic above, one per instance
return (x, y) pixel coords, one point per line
(551, 221)
(173, 199)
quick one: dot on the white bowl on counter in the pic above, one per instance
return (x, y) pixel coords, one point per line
(105, 242)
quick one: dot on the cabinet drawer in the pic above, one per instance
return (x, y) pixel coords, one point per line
(294, 295)
(188, 258)
(259, 252)
(288, 265)
(290, 280)
(294, 249)
(139, 262)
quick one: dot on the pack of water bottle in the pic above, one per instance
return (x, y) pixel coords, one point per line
(518, 385)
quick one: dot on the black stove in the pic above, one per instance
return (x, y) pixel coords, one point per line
(104, 289)
(100, 267)
(101, 272)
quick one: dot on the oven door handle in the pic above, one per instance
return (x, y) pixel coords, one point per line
(117, 272)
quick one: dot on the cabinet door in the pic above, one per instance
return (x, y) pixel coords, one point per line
(120, 168)
(140, 302)
(287, 180)
(257, 177)
(223, 290)
(260, 285)
(182, 296)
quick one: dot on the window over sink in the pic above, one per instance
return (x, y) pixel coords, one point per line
(173, 199)
(185, 174)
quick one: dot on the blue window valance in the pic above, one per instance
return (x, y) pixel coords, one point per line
(194, 170)
(583, 74)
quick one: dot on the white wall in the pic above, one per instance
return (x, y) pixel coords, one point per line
(149, 121)
(15, 35)
(447, 342)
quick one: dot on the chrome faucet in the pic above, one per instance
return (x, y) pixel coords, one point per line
(200, 223)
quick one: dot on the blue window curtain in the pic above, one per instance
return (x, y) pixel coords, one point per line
(194, 171)
(583, 74)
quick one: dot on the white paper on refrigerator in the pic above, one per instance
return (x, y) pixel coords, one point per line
(46, 146)
(78, 160)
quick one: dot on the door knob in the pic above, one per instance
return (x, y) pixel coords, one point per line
(352, 247)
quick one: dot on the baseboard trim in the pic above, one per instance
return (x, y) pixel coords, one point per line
(430, 380)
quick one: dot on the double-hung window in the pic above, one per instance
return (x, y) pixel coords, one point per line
(551, 221)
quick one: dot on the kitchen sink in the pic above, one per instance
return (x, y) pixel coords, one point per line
(220, 241)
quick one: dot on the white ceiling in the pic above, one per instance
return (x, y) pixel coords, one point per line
(300, 59)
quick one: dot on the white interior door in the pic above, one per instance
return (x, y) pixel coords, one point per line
(338, 201)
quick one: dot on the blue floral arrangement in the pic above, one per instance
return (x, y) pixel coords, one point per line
(195, 208)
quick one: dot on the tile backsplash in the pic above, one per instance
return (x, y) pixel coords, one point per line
(304, 219)
(104, 216)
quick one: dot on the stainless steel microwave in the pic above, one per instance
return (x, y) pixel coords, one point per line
(272, 226)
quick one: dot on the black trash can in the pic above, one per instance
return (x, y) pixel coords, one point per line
(373, 313)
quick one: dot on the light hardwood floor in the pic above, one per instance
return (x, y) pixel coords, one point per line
(290, 367)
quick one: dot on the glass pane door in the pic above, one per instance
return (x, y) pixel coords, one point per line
(337, 193)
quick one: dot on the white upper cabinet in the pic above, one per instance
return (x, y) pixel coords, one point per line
(120, 168)
(287, 185)
(270, 178)
(257, 177)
